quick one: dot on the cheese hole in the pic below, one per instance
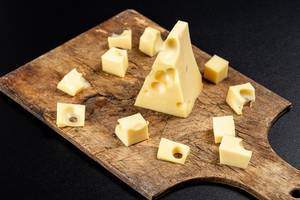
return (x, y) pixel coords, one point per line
(179, 104)
(73, 119)
(157, 86)
(171, 43)
(171, 73)
(295, 193)
(245, 93)
(161, 76)
(177, 153)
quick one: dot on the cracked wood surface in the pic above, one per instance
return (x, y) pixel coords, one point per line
(33, 86)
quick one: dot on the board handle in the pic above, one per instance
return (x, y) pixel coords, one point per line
(267, 177)
(272, 179)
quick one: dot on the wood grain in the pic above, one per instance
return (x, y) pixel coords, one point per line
(33, 86)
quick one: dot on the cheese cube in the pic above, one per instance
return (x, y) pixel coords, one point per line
(115, 61)
(223, 126)
(216, 69)
(122, 41)
(72, 83)
(233, 153)
(175, 82)
(70, 115)
(172, 151)
(150, 41)
(132, 129)
(239, 95)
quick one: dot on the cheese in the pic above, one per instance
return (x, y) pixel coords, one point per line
(122, 41)
(70, 115)
(132, 129)
(72, 83)
(172, 151)
(239, 95)
(233, 153)
(174, 82)
(216, 69)
(223, 126)
(150, 41)
(115, 61)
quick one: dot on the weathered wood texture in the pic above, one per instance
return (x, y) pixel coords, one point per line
(33, 86)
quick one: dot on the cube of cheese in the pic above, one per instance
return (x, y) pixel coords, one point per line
(132, 129)
(216, 69)
(122, 41)
(150, 41)
(72, 83)
(70, 115)
(239, 95)
(172, 151)
(223, 126)
(115, 61)
(232, 152)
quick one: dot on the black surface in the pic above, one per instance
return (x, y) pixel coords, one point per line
(260, 39)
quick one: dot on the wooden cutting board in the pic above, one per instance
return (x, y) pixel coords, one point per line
(33, 86)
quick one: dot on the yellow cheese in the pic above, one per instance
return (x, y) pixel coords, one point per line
(239, 95)
(216, 69)
(172, 151)
(233, 153)
(122, 41)
(223, 126)
(150, 41)
(72, 83)
(174, 82)
(70, 115)
(115, 61)
(132, 129)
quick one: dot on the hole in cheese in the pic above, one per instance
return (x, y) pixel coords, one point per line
(73, 119)
(177, 153)
(181, 105)
(171, 43)
(246, 94)
(157, 86)
(161, 76)
(171, 73)
(165, 77)
(178, 104)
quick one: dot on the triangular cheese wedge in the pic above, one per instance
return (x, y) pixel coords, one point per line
(174, 82)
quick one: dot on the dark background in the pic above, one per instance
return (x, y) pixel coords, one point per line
(260, 39)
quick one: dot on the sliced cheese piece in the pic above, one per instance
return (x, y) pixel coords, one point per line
(223, 126)
(115, 61)
(216, 69)
(122, 41)
(174, 82)
(132, 129)
(172, 151)
(72, 83)
(239, 95)
(150, 41)
(233, 153)
(70, 115)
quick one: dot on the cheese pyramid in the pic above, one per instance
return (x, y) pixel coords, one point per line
(174, 82)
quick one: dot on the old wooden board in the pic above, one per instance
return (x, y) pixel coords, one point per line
(33, 86)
